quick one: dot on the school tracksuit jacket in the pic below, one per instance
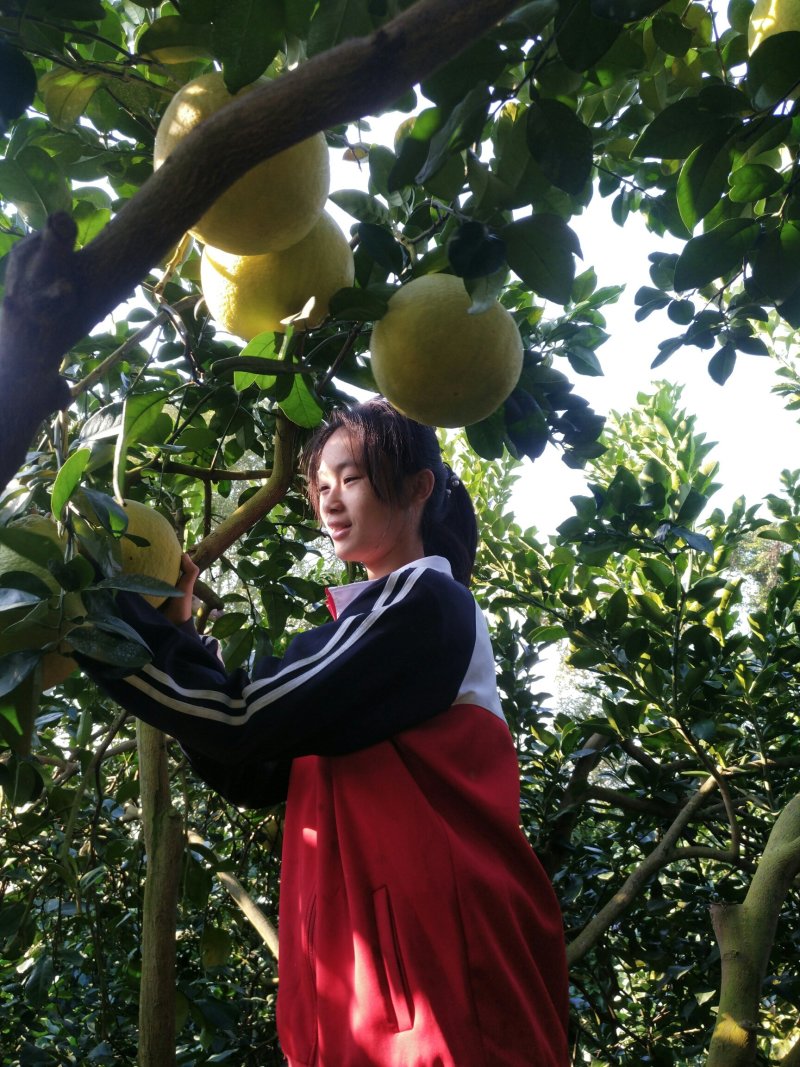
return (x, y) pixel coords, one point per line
(417, 928)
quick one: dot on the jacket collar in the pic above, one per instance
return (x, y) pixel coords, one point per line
(340, 597)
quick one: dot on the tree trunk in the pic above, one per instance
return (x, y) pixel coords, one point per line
(745, 933)
(54, 295)
(164, 844)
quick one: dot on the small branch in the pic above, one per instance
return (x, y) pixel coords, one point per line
(624, 897)
(205, 552)
(202, 474)
(263, 927)
(102, 369)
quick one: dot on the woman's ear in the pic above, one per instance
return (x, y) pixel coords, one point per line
(422, 485)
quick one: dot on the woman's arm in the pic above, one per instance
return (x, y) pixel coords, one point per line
(341, 687)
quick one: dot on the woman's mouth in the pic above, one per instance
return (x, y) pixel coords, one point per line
(337, 530)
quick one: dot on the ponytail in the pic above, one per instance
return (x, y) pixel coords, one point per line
(395, 447)
(449, 526)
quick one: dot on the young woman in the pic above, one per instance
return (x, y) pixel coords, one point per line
(417, 928)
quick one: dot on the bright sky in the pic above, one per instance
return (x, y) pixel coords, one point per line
(757, 438)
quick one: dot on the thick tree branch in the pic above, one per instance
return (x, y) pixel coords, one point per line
(55, 296)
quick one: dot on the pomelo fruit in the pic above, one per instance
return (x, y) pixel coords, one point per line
(438, 364)
(249, 294)
(269, 208)
(161, 557)
(769, 17)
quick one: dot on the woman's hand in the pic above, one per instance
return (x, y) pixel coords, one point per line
(179, 609)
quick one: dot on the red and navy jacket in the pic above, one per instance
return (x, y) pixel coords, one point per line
(416, 926)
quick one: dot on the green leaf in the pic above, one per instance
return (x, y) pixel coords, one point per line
(475, 252)
(486, 290)
(301, 406)
(109, 648)
(487, 437)
(671, 35)
(721, 364)
(15, 668)
(541, 250)
(381, 246)
(358, 305)
(33, 182)
(561, 144)
(67, 479)
(192, 38)
(66, 94)
(361, 206)
(773, 70)
(625, 10)
(703, 180)
(775, 263)
(714, 254)
(462, 128)
(247, 36)
(138, 583)
(699, 542)
(262, 346)
(616, 611)
(139, 414)
(581, 37)
(677, 130)
(335, 21)
(17, 84)
(584, 361)
(74, 10)
(754, 181)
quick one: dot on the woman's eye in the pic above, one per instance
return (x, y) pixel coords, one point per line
(351, 478)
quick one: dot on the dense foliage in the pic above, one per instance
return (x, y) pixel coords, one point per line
(651, 785)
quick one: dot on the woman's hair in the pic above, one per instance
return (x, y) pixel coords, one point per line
(395, 447)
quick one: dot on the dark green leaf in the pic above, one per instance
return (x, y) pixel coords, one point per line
(138, 583)
(486, 438)
(715, 254)
(703, 179)
(625, 10)
(776, 262)
(475, 252)
(699, 542)
(581, 37)
(17, 83)
(381, 246)
(109, 648)
(773, 71)
(462, 128)
(561, 144)
(246, 38)
(721, 364)
(541, 251)
(335, 21)
(359, 305)
(677, 130)
(671, 35)
(15, 668)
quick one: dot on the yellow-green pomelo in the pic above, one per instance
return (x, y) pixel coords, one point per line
(250, 294)
(271, 207)
(437, 363)
(769, 17)
(161, 557)
(62, 615)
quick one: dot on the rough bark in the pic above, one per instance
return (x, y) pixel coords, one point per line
(164, 843)
(745, 933)
(55, 295)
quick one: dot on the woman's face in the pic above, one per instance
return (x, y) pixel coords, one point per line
(363, 528)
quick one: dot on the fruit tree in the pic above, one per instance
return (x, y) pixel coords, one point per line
(205, 244)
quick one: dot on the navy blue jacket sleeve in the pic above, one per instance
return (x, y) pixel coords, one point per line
(382, 667)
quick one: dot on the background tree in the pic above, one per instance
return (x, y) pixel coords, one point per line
(650, 799)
